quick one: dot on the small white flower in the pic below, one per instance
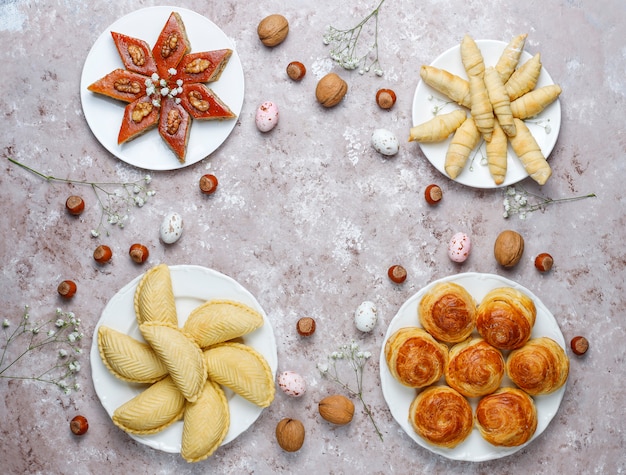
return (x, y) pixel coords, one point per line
(172, 71)
(151, 193)
(354, 346)
(334, 355)
(367, 355)
(71, 337)
(147, 179)
(51, 332)
(76, 387)
(139, 201)
(165, 91)
(35, 331)
(6, 323)
(155, 77)
(179, 82)
(322, 367)
(94, 233)
(163, 83)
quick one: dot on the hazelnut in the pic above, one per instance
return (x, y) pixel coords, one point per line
(330, 90)
(208, 184)
(543, 262)
(397, 274)
(290, 434)
(67, 289)
(433, 194)
(296, 70)
(102, 254)
(305, 326)
(579, 345)
(74, 205)
(336, 409)
(79, 425)
(138, 253)
(508, 248)
(273, 30)
(385, 98)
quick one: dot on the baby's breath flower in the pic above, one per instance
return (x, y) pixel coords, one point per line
(6, 323)
(114, 198)
(344, 45)
(516, 201)
(37, 336)
(356, 360)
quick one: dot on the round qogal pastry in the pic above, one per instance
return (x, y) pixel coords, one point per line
(399, 397)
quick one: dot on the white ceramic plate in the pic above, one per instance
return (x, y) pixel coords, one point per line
(193, 285)
(399, 397)
(104, 115)
(474, 174)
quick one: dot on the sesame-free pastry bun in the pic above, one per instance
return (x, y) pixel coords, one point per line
(205, 423)
(129, 359)
(505, 318)
(441, 416)
(243, 370)
(152, 410)
(154, 297)
(448, 312)
(539, 367)
(181, 356)
(506, 418)
(217, 321)
(475, 368)
(415, 359)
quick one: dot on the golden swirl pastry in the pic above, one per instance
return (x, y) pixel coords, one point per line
(506, 418)
(539, 367)
(475, 368)
(448, 312)
(415, 358)
(505, 318)
(441, 416)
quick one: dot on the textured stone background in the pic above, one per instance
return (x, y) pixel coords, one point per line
(309, 217)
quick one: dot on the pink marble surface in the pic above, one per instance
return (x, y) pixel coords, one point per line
(309, 217)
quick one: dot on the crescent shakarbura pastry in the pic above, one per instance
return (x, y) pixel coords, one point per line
(441, 416)
(475, 368)
(438, 128)
(154, 297)
(448, 312)
(182, 357)
(205, 423)
(242, 369)
(539, 367)
(152, 410)
(510, 57)
(524, 78)
(463, 142)
(505, 318)
(506, 418)
(217, 321)
(415, 359)
(129, 359)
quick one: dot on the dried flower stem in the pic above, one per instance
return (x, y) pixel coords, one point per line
(516, 201)
(114, 205)
(60, 331)
(344, 45)
(356, 359)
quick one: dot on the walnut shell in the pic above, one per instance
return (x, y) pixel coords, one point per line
(330, 90)
(273, 30)
(336, 409)
(508, 248)
(290, 434)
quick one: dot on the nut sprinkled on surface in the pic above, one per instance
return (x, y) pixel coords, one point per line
(305, 326)
(579, 345)
(138, 253)
(74, 205)
(544, 262)
(208, 184)
(336, 409)
(290, 434)
(296, 70)
(79, 425)
(102, 254)
(330, 90)
(433, 194)
(397, 274)
(385, 98)
(273, 30)
(508, 248)
(67, 289)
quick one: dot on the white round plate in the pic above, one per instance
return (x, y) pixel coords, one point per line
(399, 397)
(193, 285)
(104, 115)
(544, 127)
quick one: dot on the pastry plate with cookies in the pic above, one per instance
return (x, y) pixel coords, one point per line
(428, 103)
(400, 360)
(193, 287)
(104, 115)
